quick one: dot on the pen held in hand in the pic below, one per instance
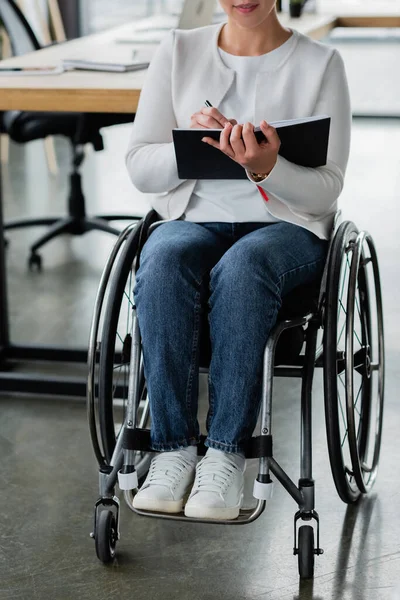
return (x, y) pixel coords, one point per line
(260, 189)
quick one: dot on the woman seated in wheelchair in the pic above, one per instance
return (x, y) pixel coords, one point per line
(229, 249)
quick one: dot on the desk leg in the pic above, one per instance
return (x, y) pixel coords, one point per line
(4, 331)
(12, 379)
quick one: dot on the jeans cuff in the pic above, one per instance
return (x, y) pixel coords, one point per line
(232, 448)
(177, 445)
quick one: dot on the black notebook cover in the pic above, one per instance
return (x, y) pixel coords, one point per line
(305, 144)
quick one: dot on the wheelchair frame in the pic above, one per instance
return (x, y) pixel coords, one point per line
(123, 464)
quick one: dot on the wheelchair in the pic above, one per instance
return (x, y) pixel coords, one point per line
(335, 324)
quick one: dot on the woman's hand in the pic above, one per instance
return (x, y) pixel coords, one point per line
(240, 144)
(209, 118)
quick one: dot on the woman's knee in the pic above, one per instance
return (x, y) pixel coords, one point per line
(173, 254)
(244, 262)
(167, 249)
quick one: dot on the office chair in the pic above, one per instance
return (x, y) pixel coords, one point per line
(79, 128)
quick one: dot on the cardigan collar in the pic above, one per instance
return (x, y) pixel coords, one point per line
(291, 43)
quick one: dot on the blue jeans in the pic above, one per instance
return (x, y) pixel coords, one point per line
(241, 270)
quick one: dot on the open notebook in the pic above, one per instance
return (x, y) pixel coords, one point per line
(303, 141)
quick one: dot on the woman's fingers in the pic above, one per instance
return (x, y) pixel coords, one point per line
(250, 142)
(214, 114)
(210, 142)
(209, 118)
(224, 140)
(199, 121)
(271, 135)
(224, 144)
(236, 141)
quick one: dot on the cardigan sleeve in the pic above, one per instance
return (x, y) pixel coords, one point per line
(311, 192)
(150, 158)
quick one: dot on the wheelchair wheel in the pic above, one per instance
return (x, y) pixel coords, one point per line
(306, 552)
(353, 362)
(114, 358)
(106, 536)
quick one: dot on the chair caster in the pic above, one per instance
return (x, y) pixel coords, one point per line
(35, 261)
(106, 536)
(106, 528)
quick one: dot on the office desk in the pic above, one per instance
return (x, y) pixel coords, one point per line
(90, 91)
(96, 92)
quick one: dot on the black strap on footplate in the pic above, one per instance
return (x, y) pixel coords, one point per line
(139, 439)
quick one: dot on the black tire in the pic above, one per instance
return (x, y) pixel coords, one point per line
(353, 432)
(106, 536)
(113, 372)
(114, 359)
(306, 552)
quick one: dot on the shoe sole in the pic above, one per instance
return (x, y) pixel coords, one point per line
(210, 512)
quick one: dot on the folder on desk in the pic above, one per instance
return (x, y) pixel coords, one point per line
(89, 65)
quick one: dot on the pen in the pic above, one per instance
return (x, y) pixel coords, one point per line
(260, 189)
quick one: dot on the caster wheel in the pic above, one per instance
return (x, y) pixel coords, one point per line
(306, 552)
(35, 262)
(106, 536)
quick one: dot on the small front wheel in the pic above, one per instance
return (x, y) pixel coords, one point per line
(306, 552)
(106, 536)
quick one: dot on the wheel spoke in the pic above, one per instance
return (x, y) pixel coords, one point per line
(358, 339)
(127, 296)
(357, 302)
(116, 383)
(341, 331)
(343, 308)
(344, 439)
(358, 395)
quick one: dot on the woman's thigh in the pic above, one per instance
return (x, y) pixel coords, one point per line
(287, 254)
(176, 248)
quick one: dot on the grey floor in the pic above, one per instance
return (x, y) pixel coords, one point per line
(47, 469)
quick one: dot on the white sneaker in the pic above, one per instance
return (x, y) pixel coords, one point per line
(217, 491)
(168, 482)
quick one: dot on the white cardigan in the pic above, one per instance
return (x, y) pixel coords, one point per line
(187, 69)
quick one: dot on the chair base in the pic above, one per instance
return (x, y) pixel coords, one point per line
(71, 225)
(75, 223)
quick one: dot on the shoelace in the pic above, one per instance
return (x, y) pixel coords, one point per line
(167, 468)
(214, 475)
